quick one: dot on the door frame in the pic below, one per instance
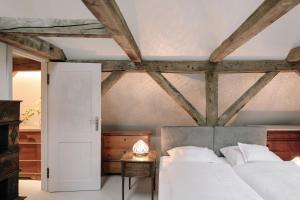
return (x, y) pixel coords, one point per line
(44, 96)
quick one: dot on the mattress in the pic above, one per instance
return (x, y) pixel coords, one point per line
(272, 180)
(197, 180)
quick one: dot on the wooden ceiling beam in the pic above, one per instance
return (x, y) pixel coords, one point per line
(268, 12)
(25, 64)
(88, 28)
(34, 45)
(294, 55)
(260, 66)
(109, 14)
(245, 98)
(177, 97)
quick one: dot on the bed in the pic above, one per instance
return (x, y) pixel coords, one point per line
(199, 180)
(271, 180)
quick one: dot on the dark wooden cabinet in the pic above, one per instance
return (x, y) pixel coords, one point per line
(115, 144)
(285, 142)
(9, 149)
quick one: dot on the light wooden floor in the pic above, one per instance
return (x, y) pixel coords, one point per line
(111, 190)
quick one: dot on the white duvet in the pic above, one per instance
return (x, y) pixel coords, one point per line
(272, 180)
(197, 181)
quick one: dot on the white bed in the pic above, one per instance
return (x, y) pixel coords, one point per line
(199, 180)
(272, 180)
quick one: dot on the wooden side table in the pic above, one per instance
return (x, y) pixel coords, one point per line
(134, 166)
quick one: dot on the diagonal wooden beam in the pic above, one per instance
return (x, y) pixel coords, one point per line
(211, 98)
(245, 98)
(109, 14)
(177, 97)
(294, 55)
(268, 12)
(34, 45)
(53, 27)
(298, 72)
(110, 81)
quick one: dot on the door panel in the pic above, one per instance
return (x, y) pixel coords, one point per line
(74, 137)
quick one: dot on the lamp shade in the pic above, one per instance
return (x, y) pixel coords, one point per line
(140, 148)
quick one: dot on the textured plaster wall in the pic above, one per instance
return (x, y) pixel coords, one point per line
(136, 102)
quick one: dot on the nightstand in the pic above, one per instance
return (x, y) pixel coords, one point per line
(135, 166)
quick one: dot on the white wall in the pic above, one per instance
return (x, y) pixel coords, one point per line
(136, 102)
(27, 87)
(5, 72)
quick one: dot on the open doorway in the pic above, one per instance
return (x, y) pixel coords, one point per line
(27, 87)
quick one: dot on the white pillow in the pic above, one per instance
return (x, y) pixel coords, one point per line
(184, 150)
(194, 154)
(254, 152)
(233, 154)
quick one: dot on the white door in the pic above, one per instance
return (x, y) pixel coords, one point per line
(74, 91)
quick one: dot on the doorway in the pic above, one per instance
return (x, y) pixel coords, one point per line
(26, 86)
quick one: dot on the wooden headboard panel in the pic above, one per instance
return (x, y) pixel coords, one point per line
(284, 142)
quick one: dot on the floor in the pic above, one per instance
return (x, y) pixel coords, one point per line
(111, 190)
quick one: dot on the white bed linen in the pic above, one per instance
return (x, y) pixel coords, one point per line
(198, 180)
(272, 180)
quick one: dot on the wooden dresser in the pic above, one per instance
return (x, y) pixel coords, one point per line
(114, 146)
(284, 141)
(30, 153)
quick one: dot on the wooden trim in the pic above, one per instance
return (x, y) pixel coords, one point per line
(5, 72)
(177, 97)
(112, 79)
(44, 126)
(109, 14)
(25, 64)
(245, 98)
(268, 12)
(228, 66)
(54, 27)
(294, 55)
(34, 45)
(211, 79)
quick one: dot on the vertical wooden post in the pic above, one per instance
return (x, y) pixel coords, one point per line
(5, 72)
(211, 80)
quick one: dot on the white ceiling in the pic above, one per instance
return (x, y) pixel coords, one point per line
(169, 29)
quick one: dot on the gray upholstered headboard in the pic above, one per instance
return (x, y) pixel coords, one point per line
(229, 136)
(212, 137)
(177, 136)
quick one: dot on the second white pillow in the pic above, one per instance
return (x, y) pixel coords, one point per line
(233, 154)
(254, 152)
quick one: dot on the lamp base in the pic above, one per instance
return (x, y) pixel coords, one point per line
(140, 155)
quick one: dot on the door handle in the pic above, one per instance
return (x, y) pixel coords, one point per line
(96, 121)
(97, 124)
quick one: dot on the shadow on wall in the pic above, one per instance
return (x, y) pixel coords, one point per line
(245, 118)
